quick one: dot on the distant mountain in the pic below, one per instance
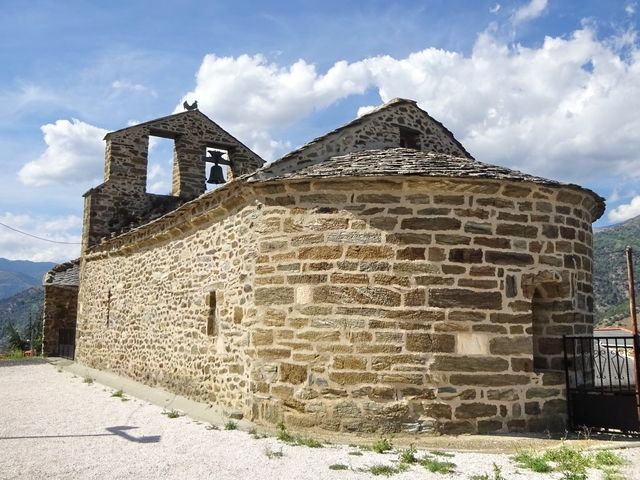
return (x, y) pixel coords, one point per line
(610, 269)
(19, 275)
(19, 309)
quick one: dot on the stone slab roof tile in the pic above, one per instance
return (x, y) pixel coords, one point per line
(64, 274)
(403, 161)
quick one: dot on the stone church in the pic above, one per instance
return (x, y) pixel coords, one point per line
(377, 279)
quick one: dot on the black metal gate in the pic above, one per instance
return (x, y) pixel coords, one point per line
(601, 382)
(67, 342)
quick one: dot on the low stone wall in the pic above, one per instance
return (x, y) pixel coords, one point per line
(379, 304)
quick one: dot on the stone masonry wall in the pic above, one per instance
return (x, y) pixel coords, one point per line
(168, 310)
(122, 202)
(379, 129)
(60, 310)
(383, 304)
(406, 304)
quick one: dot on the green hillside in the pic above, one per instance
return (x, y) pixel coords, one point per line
(19, 310)
(610, 269)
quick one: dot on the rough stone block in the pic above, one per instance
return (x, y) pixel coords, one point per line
(292, 373)
(431, 223)
(352, 378)
(475, 410)
(469, 364)
(274, 295)
(461, 298)
(426, 342)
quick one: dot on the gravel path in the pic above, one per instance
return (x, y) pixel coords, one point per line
(55, 426)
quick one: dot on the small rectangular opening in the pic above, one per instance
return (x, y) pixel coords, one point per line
(211, 315)
(409, 138)
(160, 165)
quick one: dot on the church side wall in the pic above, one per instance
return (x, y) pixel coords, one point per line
(170, 308)
(387, 305)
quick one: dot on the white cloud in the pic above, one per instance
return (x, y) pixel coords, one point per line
(495, 8)
(530, 11)
(125, 86)
(74, 154)
(18, 246)
(249, 96)
(625, 211)
(565, 109)
(630, 8)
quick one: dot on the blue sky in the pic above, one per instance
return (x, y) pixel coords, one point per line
(549, 87)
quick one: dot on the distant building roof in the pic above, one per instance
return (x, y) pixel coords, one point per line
(612, 332)
(64, 274)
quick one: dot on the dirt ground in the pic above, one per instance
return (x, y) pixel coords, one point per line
(61, 421)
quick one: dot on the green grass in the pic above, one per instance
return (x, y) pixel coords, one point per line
(88, 380)
(338, 466)
(440, 453)
(284, 436)
(381, 446)
(173, 413)
(118, 394)
(380, 469)
(497, 474)
(230, 425)
(408, 455)
(532, 461)
(571, 463)
(607, 458)
(437, 466)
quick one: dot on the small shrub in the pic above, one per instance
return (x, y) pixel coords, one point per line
(283, 435)
(173, 413)
(530, 460)
(355, 453)
(381, 446)
(497, 474)
(308, 442)
(88, 380)
(408, 455)
(607, 458)
(338, 466)
(231, 425)
(437, 466)
(118, 394)
(286, 437)
(380, 469)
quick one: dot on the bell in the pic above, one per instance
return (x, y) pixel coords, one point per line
(215, 175)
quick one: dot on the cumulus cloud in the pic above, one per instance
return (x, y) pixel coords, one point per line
(625, 211)
(74, 154)
(18, 246)
(249, 95)
(565, 109)
(530, 11)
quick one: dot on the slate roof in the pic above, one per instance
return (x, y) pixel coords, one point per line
(64, 274)
(403, 161)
